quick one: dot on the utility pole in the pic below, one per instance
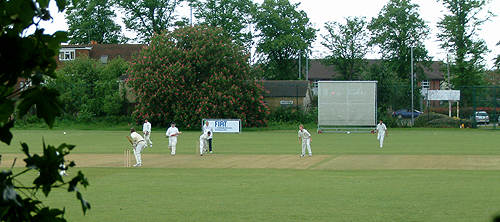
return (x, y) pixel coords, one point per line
(307, 66)
(300, 55)
(411, 68)
(191, 15)
(449, 82)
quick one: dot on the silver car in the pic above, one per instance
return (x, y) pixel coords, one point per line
(482, 117)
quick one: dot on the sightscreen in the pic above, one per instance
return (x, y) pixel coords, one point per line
(347, 103)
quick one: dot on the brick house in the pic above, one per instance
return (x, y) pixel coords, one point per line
(101, 52)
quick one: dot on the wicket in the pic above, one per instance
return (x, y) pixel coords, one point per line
(126, 158)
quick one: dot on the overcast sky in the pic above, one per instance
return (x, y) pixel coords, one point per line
(321, 11)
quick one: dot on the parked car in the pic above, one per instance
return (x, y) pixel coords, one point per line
(405, 113)
(481, 117)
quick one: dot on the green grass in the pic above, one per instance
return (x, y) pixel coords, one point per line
(165, 194)
(398, 141)
(285, 195)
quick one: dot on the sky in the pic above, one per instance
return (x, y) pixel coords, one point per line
(321, 11)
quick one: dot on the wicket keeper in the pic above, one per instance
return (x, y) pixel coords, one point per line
(204, 138)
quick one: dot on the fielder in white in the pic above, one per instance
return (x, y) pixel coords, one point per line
(208, 128)
(172, 133)
(204, 142)
(146, 130)
(305, 136)
(139, 144)
(381, 131)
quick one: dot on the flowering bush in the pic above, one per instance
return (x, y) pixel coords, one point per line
(194, 73)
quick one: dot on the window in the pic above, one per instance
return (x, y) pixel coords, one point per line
(425, 84)
(66, 54)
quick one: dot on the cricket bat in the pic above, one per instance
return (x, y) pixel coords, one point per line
(130, 140)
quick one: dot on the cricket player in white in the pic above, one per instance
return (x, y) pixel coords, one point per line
(381, 131)
(172, 133)
(62, 167)
(146, 130)
(208, 128)
(139, 144)
(204, 142)
(305, 136)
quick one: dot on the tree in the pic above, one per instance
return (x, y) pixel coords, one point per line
(147, 17)
(233, 16)
(31, 58)
(459, 36)
(396, 29)
(194, 73)
(285, 33)
(89, 88)
(348, 44)
(92, 20)
(391, 90)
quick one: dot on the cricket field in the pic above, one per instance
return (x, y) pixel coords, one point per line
(419, 175)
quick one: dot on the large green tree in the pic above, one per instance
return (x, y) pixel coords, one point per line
(93, 20)
(194, 73)
(147, 17)
(459, 35)
(89, 88)
(233, 16)
(30, 57)
(284, 34)
(348, 45)
(396, 29)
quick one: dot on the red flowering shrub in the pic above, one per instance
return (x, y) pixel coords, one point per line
(194, 73)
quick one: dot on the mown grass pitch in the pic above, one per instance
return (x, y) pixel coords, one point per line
(348, 179)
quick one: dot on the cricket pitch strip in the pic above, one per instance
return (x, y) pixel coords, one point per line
(288, 161)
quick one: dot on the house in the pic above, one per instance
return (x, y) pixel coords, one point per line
(287, 93)
(101, 52)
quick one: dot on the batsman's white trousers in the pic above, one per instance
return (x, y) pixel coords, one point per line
(137, 151)
(203, 145)
(306, 143)
(148, 139)
(172, 143)
(380, 138)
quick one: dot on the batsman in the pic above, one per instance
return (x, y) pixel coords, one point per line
(138, 144)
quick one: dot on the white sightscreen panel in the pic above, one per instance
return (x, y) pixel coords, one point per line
(345, 103)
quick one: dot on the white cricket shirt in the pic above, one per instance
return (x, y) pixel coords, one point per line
(171, 131)
(304, 134)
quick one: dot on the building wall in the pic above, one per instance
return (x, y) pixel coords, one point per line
(274, 102)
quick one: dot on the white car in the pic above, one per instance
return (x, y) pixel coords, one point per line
(481, 117)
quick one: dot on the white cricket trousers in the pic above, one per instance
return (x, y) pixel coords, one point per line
(380, 138)
(203, 145)
(137, 152)
(148, 139)
(306, 143)
(172, 143)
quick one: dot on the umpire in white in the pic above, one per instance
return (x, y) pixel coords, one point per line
(146, 130)
(208, 128)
